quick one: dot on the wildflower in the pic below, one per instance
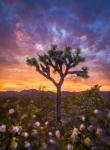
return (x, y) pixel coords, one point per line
(37, 123)
(33, 116)
(11, 111)
(3, 128)
(27, 144)
(25, 134)
(87, 141)
(82, 127)
(46, 123)
(83, 118)
(41, 128)
(57, 133)
(74, 135)
(91, 128)
(96, 111)
(108, 115)
(16, 129)
(13, 144)
(50, 133)
(34, 132)
(76, 130)
(51, 141)
(99, 131)
(69, 147)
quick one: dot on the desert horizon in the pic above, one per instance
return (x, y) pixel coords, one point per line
(54, 91)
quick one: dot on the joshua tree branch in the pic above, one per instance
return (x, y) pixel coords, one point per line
(82, 73)
(47, 76)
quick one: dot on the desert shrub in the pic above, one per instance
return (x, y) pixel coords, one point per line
(91, 99)
(83, 102)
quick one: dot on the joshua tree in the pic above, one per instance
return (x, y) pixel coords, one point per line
(61, 62)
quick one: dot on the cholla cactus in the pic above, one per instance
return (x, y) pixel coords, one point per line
(61, 62)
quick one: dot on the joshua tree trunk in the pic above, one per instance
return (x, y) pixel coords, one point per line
(58, 104)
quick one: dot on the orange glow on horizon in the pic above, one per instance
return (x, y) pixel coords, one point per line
(17, 79)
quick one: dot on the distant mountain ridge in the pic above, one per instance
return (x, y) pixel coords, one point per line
(16, 93)
(34, 91)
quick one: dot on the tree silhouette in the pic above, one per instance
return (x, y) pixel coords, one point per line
(61, 62)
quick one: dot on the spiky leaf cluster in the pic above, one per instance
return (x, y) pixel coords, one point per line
(62, 62)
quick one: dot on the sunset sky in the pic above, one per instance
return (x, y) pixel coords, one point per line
(29, 27)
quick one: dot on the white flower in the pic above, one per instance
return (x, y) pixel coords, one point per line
(3, 128)
(27, 144)
(82, 127)
(99, 131)
(37, 123)
(46, 123)
(83, 118)
(69, 147)
(25, 134)
(11, 111)
(96, 111)
(76, 130)
(50, 133)
(108, 115)
(87, 141)
(57, 133)
(74, 135)
(34, 132)
(16, 129)
(91, 128)
(52, 141)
